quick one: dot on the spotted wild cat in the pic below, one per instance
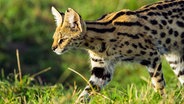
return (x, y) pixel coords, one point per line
(141, 36)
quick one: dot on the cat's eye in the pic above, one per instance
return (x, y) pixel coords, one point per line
(60, 41)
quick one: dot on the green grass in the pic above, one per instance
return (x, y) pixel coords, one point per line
(28, 25)
(14, 91)
(128, 87)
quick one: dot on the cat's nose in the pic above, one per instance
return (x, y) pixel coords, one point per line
(54, 48)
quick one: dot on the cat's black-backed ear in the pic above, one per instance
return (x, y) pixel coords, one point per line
(73, 18)
(57, 16)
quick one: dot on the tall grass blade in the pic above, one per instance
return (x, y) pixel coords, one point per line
(19, 67)
(82, 78)
(40, 72)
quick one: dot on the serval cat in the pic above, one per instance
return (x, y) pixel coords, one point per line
(141, 36)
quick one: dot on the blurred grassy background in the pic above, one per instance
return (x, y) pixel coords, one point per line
(28, 25)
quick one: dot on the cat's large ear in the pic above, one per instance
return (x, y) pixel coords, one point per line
(57, 16)
(73, 18)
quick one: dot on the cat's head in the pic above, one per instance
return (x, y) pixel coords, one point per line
(70, 30)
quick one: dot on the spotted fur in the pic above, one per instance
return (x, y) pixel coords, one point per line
(141, 36)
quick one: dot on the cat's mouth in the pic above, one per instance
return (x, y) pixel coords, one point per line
(60, 51)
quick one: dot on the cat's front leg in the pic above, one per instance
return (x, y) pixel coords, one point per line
(101, 74)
